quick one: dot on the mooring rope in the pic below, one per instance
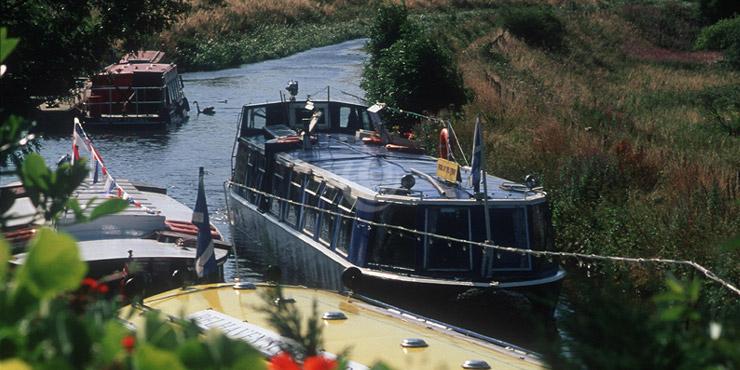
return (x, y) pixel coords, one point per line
(640, 260)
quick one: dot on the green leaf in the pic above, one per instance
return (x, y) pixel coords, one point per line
(108, 207)
(150, 358)
(74, 205)
(34, 172)
(673, 313)
(7, 44)
(110, 345)
(52, 266)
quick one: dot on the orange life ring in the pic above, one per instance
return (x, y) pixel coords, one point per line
(444, 143)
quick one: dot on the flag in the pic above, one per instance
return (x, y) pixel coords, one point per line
(476, 165)
(205, 260)
(95, 174)
(110, 184)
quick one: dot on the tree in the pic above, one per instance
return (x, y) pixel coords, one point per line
(67, 38)
(408, 67)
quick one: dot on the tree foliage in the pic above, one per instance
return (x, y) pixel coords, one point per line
(409, 68)
(725, 36)
(538, 26)
(63, 39)
(608, 327)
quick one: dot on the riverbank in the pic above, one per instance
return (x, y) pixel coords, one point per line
(226, 33)
(619, 119)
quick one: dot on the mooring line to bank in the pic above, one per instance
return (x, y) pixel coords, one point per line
(705, 271)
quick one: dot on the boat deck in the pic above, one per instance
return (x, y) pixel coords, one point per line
(373, 167)
(372, 333)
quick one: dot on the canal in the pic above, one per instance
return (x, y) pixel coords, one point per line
(170, 158)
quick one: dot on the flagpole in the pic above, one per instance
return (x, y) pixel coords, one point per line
(485, 188)
(486, 214)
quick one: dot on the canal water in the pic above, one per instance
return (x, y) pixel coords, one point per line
(170, 157)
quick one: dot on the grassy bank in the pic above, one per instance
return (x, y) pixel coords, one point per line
(218, 34)
(617, 128)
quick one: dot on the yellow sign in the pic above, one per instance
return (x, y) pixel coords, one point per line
(448, 170)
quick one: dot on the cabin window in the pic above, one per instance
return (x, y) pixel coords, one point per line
(366, 123)
(255, 175)
(345, 223)
(349, 117)
(302, 115)
(509, 228)
(328, 224)
(311, 199)
(441, 254)
(540, 227)
(390, 248)
(240, 169)
(257, 117)
(296, 196)
(278, 189)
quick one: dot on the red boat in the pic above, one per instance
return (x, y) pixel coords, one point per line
(138, 90)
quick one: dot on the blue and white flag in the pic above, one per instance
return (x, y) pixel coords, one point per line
(477, 160)
(205, 259)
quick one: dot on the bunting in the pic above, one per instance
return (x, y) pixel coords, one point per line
(110, 186)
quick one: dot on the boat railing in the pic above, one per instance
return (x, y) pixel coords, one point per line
(120, 105)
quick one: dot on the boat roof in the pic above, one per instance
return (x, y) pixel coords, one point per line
(133, 222)
(131, 68)
(343, 160)
(373, 333)
(116, 249)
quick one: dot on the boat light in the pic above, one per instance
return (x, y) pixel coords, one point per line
(244, 285)
(475, 364)
(414, 343)
(334, 315)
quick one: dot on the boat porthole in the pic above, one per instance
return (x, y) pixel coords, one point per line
(414, 343)
(475, 364)
(334, 315)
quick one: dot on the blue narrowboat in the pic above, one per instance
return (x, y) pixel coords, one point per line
(350, 203)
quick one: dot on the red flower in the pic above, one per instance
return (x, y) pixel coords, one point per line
(102, 289)
(128, 342)
(282, 361)
(90, 282)
(319, 363)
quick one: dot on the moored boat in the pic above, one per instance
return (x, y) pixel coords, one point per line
(353, 197)
(137, 90)
(371, 330)
(156, 232)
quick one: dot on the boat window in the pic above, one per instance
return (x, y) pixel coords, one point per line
(366, 123)
(257, 117)
(509, 229)
(446, 255)
(328, 225)
(255, 175)
(345, 224)
(296, 195)
(349, 117)
(311, 199)
(240, 169)
(389, 247)
(278, 189)
(540, 227)
(302, 115)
